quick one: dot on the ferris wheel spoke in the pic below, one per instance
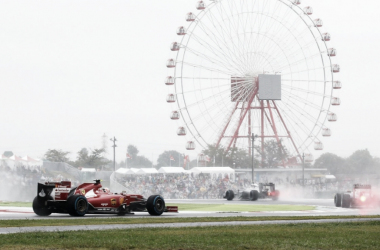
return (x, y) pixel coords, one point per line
(301, 80)
(300, 61)
(305, 90)
(217, 50)
(232, 28)
(204, 100)
(297, 125)
(210, 59)
(211, 87)
(205, 78)
(304, 101)
(221, 34)
(208, 68)
(271, 27)
(312, 119)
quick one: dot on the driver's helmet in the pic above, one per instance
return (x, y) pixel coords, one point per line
(106, 190)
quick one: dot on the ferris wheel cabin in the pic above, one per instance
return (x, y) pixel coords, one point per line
(318, 22)
(190, 17)
(335, 101)
(169, 80)
(170, 63)
(308, 10)
(331, 52)
(309, 158)
(170, 98)
(332, 117)
(337, 85)
(296, 2)
(190, 145)
(181, 131)
(326, 37)
(326, 132)
(181, 31)
(335, 68)
(200, 5)
(174, 115)
(318, 145)
(174, 46)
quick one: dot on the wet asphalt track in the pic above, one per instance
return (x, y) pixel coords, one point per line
(324, 207)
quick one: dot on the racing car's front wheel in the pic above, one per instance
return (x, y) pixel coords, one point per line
(155, 205)
(39, 206)
(77, 205)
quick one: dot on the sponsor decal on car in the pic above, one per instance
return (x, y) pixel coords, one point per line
(104, 204)
(113, 202)
(172, 209)
(121, 200)
(82, 191)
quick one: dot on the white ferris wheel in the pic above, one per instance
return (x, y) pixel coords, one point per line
(217, 76)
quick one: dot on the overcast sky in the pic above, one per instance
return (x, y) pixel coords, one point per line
(71, 71)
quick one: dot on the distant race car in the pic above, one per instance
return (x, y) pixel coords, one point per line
(92, 198)
(254, 192)
(360, 196)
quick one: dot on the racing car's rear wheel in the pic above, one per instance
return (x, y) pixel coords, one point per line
(253, 195)
(338, 200)
(155, 205)
(39, 206)
(346, 200)
(230, 195)
(77, 205)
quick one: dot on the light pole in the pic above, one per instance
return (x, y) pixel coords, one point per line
(253, 144)
(114, 147)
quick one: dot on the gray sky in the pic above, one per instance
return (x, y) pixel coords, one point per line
(73, 70)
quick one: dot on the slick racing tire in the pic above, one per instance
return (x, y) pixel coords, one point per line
(39, 207)
(77, 205)
(346, 200)
(338, 200)
(155, 205)
(253, 195)
(230, 195)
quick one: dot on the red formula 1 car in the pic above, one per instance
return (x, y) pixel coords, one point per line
(92, 198)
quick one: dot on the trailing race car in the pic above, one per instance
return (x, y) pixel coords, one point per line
(360, 196)
(256, 191)
(92, 198)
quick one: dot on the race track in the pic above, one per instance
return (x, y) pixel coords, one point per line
(323, 207)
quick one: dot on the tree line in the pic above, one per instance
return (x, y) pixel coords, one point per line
(272, 156)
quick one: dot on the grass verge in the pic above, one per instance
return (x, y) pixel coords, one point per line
(15, 204)
(150, 219)
(354, 235)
